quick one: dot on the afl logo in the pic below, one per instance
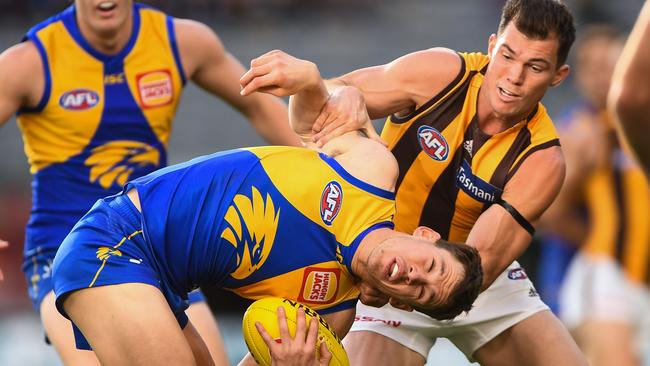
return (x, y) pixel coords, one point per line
(330, 202)
(433, 143)
(79, 99)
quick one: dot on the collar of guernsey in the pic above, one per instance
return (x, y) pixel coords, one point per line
(347, 252)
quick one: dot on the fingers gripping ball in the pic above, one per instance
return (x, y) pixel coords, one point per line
(264, 312)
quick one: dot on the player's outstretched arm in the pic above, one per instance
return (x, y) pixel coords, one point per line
(399, 86)
(497, 235)
(212, 67)
(281, 74)
(629, 95)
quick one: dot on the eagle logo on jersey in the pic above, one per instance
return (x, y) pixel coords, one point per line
(330, 202)
(113, 162)
(252, 224)
(79, 99)
(433, 143)
(103, 253)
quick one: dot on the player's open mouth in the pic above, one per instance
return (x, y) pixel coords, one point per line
(106, 6)
(394, 271)
(508, 95)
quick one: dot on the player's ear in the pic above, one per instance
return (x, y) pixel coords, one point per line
(400, 305)
(492, 41)
(561, 74)
(426, 233)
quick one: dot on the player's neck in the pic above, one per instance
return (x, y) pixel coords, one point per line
(109, 42)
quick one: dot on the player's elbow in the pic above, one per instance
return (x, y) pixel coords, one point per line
(629, 100)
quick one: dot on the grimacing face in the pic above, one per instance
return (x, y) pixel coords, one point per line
(104, 17)
(414, 271)
(521, 70)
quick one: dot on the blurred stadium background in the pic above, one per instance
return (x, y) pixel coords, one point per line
(338, 35)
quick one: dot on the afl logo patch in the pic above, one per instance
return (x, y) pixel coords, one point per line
(517, 274)
(433, 143)
(79, 99)
(330, 202)
(155, 88)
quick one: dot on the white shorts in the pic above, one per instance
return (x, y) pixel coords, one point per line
(509, 300)
(596, 288)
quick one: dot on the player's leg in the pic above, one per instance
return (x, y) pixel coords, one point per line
(597, 308)
(129, 324)
(37, 267)
(510, 325)
(389, 336)
(59, 332)
(369, 348)
(538, 340)
(203, 321)
(607, 343)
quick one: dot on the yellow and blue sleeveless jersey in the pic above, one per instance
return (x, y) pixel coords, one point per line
(450, 170)
(102, 119)
(268, 221)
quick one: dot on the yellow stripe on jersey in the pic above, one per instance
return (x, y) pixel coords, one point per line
(636, 257)
(54, 135)
(336, 285)
(151, 71)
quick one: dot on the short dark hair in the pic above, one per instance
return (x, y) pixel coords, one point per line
(541, 19)
(466, 291)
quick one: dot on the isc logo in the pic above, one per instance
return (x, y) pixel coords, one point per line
(79, 99)
(433, 143)
(330, 202)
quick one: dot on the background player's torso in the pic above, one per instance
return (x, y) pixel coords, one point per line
(450, 171)
(102, 119)
(270, 221)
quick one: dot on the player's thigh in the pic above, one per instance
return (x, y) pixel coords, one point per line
(197, 345)
(539, 340)
(59, 331)
(129, 324)
(203, 321)
(607, 343)
(370, 348)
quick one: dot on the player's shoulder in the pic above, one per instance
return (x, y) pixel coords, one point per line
(21, 64)
(365, 159)
(437, 60)
(188, 30)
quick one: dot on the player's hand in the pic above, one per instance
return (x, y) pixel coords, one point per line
(371, 296)
(3, 245)
(280, 74)
(297, 351)
(345, 111)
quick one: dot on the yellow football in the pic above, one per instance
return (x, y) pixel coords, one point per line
(265, 312)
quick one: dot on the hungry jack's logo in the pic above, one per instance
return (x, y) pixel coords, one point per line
(319, 285)
(155, 88)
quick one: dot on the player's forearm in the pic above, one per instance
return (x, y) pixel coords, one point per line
(630, 91)
(305, 106)
(499, 241)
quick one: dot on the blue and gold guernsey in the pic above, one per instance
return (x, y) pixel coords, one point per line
(268, 221)
(101, 121)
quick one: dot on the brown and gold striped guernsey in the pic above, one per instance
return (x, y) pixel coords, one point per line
(450, 171)
(617, 198)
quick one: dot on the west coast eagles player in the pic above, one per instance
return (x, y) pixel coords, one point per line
(96, 88)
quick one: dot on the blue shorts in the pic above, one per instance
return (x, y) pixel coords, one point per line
(108, 247)
(37, 267)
